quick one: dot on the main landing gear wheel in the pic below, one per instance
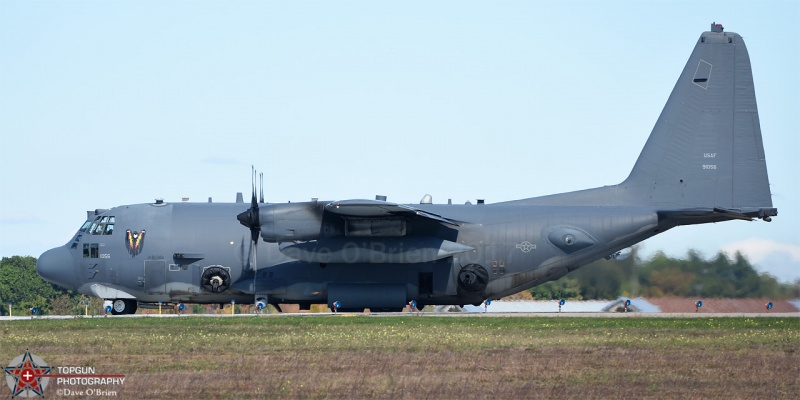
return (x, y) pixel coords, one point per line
(123, 306)
(215, 279)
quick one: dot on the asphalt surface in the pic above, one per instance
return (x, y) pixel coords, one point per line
(431, 315)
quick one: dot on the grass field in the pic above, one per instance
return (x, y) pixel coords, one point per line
(346, 356)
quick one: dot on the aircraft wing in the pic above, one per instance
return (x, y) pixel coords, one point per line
(374, 232)
(379, 209)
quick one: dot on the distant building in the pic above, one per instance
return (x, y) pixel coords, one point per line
(638, 304)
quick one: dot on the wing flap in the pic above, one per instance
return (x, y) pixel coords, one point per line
(381, 209)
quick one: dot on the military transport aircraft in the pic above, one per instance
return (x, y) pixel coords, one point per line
(703, 162)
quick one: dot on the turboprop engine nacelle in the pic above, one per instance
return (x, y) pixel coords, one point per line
(291, 222)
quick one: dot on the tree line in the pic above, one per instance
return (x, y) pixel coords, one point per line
(21, 286)
(661, 275)
(692, 276)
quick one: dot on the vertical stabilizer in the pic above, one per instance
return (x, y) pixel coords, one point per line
(705, 149)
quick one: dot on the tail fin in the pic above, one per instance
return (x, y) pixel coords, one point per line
(704, 160)
(705, 151)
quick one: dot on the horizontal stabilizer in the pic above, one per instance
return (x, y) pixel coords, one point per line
(701, 215)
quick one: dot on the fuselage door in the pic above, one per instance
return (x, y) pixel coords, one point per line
(155, 276)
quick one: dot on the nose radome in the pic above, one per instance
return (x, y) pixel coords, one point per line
(56, 266)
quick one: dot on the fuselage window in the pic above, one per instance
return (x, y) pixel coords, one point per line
(91, 250)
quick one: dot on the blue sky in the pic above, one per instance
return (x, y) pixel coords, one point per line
(110, 103)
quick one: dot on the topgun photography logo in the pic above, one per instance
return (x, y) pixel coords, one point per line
(28, 375)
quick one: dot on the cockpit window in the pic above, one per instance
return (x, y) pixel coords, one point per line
(85, 226)
(101, 226)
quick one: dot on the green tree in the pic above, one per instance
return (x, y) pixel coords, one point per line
(718, 277)
(564, 288)
(609, 278)
(66, 304)
(20, 285)
(693, 275)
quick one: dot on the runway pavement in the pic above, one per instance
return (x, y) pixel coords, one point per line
(428, 315)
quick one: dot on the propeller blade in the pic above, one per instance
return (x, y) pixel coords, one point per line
(253, 202)
(261, 175)
(255, 270)
(250, 219)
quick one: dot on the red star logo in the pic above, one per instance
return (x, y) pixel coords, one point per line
(28, 376)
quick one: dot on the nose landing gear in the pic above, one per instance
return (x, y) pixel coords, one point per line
(123, 306)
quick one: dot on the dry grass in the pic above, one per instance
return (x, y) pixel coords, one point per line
(408, 357)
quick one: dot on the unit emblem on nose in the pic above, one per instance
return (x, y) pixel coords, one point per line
(134, 241)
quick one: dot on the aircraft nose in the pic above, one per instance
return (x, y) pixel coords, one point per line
(56, 266)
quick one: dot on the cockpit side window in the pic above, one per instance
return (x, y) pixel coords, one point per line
(85, 226)
(91, 250)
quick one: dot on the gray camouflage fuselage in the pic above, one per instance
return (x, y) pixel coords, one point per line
(704, 162)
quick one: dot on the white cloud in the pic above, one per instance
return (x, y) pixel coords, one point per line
(781, 260)
(759, 249)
